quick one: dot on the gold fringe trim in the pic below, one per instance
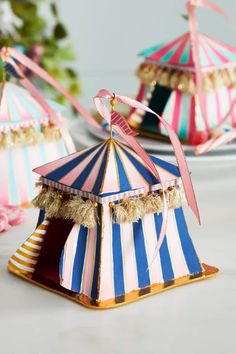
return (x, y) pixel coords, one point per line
(132, 209)
(29, 136)
(183, 80)
(84, 212)
(75, 208)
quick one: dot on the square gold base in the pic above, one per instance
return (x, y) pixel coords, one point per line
(135, 295)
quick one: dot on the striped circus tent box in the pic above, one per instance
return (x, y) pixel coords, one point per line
(101, 212)
(27, 139)
(168, 76)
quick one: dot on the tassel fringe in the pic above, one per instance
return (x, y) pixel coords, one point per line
(133, 209)
(84, 212)
(29, 136)
(183, 80)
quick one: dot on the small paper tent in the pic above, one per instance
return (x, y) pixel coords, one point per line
(107, 263)
(168, 86)
(27, 139)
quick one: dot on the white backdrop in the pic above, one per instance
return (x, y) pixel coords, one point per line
(107, 35)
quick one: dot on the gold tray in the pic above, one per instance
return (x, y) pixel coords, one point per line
(135, 295)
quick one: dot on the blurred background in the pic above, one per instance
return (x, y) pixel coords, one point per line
(108, 35)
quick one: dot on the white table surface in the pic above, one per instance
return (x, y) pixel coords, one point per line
(192, 319)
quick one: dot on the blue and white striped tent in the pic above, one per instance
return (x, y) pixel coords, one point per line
(109, 263)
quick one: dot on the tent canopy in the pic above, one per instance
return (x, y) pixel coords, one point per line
(17, 105)
(108, 167)
(178, 53)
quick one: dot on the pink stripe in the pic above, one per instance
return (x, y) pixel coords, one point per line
(231, 94)
(129, 259)
(91, 178)
(155, 271)
(134, 177)
(219, 54)
(69, 254)
(107, 276)
(161, 52)
(177, 55)
(70, 177)
(52, 166)
(218, 106)
(176, 113)
(176, 253)
(204, 48)
(111, 180)
(89, 262)
(4, 180)
(4, 114)
(192, 123)
(21, 176)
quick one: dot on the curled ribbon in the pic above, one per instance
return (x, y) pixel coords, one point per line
(131, 140)
(13, 57)
(213, 137)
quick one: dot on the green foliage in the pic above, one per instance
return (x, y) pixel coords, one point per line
(57, 51)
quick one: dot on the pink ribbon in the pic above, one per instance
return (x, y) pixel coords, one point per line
(10, 216)
(180, 157)
(209, 141)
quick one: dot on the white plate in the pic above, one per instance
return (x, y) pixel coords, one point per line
(85, 136)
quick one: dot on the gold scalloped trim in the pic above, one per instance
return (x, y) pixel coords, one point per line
(29, 136)
(183, 80)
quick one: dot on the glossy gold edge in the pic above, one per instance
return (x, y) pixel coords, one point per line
(135, 295)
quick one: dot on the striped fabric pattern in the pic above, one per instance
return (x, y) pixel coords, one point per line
(17, 183)
(178, 53)
(184, 114)
(18, 107)
(108, 167)
(120, 121)
(26, 257)
(113, 259)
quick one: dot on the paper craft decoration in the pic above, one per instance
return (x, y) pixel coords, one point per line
(191, 82)
(32, 131)
(109, 230)
(27, 139)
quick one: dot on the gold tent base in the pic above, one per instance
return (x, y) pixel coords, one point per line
(135, 295)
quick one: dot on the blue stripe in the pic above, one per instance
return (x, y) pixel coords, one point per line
(167, 270)
(117, 261)
(41, 217)
(166, 165)
(140, 254)
(95, 290)
(80, 180)
(124, 182)
(63, 170)
(141, 169)
(61, 264)
(79, 259)
(190, 254)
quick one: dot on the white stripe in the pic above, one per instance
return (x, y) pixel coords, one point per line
(178, 262)
(28, 260)
(129, 260)
(32, 245)
(150, 237)
(35, 238)
(29, 252)
(21, 266)
(40, 231)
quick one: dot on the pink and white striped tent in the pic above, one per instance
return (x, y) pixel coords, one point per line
(168, 85)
